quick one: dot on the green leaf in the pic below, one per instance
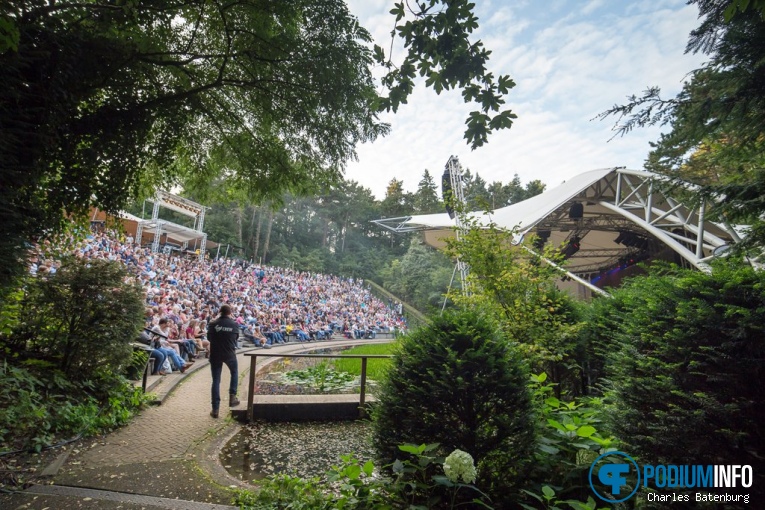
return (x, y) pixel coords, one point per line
(585, 431)
(548, 492)
(443, 480)
(353, 471)
(412, 448)
(549, 449)
(533, 495)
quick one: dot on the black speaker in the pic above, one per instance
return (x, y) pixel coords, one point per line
(446, 192)
(572, 247)
(577, 211)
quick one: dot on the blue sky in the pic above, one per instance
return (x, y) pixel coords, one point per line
(570, 60)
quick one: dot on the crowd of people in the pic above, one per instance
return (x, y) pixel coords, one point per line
(270, 304)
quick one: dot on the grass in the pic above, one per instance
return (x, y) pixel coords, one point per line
(376, 368)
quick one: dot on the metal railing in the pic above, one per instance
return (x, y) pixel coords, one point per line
(414, 317)
(253, 373)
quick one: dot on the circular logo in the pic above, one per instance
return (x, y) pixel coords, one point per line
(613, 474)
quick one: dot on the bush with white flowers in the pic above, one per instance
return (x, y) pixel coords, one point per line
(458, 465)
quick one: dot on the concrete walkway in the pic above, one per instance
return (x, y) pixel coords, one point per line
(167, 457)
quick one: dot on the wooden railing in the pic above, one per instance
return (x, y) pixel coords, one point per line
(253, 373)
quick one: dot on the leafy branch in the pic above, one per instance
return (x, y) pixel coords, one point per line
(439, 50)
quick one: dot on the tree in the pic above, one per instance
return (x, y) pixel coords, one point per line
(426, 197)
(477, 195)
(534, 188)
(397, 202)
(687, 352)
(85, 318)
(458, 382)
(437, 40)
(98, 95)
(102, 99)
(722, 108)
(521, 291)
(64, 354)
(498, 194)
(420, 277)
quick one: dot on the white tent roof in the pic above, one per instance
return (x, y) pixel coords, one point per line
(626, 214)
(528, 213)
(523, 215)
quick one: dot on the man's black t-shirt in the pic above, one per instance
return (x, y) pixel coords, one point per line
(223, 333)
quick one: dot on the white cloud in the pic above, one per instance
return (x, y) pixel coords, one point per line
(569, 63)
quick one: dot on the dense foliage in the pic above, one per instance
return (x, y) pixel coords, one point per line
(64, 349)
(80, 319)
(687, 376)
(521, 292)
(460, 383)
(410, 484)
(101, 99)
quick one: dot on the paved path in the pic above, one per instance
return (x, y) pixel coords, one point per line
(168, 452)
(167, 431)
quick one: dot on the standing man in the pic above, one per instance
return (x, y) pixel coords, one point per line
(223, 333)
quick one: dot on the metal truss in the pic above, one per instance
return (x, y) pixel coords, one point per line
(400, 225)
(454, 171)
(646, 201)
(642, 204)
(182, 206)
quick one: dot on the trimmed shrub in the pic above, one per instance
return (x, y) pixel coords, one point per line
(460, 383)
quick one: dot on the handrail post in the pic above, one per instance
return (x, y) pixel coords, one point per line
(149, 363)
(251, 388)
(362, 400)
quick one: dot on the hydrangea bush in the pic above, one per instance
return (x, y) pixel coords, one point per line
(459, 465)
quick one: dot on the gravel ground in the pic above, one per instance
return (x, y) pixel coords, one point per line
(306, 449)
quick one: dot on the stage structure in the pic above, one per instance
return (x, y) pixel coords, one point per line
(454, 196)
(172, 231)
(604, 221)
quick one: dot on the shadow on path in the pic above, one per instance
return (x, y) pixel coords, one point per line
(167, 457)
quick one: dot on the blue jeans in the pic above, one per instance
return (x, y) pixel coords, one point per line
(190, 347)
(216, 367)
(159, 360)
(175, 360)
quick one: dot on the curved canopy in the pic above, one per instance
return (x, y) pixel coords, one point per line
(601, 219)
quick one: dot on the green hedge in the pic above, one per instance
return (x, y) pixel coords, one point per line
(460, 383)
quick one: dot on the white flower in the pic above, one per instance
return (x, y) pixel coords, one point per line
(458, 465)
